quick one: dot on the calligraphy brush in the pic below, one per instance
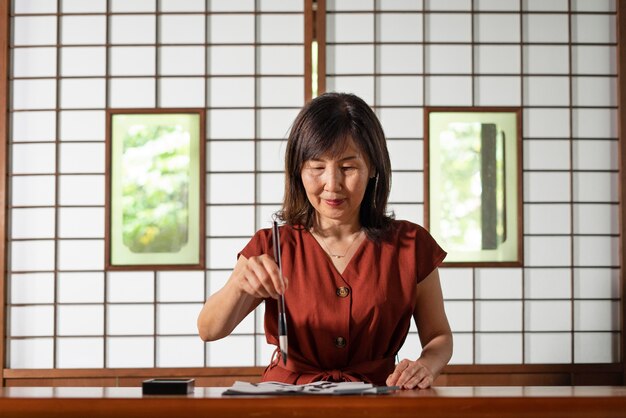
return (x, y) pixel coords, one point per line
(282, 317)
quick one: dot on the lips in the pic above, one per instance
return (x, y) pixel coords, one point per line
(334, 202)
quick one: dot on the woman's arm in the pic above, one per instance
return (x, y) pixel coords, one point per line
(435, 336)
(251, 281)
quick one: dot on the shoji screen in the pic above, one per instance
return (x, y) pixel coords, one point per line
(71, 60)
(555, 59)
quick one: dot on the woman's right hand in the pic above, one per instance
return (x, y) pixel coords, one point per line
(259, 277)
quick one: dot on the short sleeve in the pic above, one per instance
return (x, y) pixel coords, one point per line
(428, 254)
(259, 244)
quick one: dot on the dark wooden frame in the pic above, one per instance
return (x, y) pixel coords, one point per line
(566, 374)
(520, 207)
(202, 211)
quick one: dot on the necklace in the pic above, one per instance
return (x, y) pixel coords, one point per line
(338, 256)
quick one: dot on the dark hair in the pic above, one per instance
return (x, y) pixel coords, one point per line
(323, 126)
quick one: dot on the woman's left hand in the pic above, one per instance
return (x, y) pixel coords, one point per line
(410, 375)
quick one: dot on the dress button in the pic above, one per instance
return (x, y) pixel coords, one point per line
(340, 342)
(342, 292)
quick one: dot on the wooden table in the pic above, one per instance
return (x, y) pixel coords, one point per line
(570, 402)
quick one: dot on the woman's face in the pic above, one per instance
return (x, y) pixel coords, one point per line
(335, 185)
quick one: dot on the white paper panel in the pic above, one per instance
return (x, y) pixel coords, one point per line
(182, 5)
(83, 61)
(497, 59)
(230, 124)
(448, 59)
(81, 222)
(401, 59)
(180, 352)
(80, 320)
(456, 283)
(596, 28)
(463, 349)
(32, 255)
(460, 315)
(232, 60)
(130, 320)
(548, 315)
(548, 348)
(410, 212)
(178, 319)
(32, 288)
(448, 91)
(546, 91)
(79, 93)
(406, 155)
(594, 91)
(82, 158)
(80, 353)
(399, 91)
(491, 5)
(411, 348)
(133, 5)
(395, 122)
(596, 187)
(32, 190)
(547, 219)
(346, 27)
(81, 255)
(32, 353)
(230, 188)
(362, 86)
(594, 251)
(449, 5)
(350, 5)
(596, 283)
(349, 59)
(497, 91)
(499, 316)
(218, 221)
(181, 60)
(498, 283)
(270, 188)
(180, 286)
(130, 352)
(230, 156)
(399, 27)
(280, 5)
(182, 29)
(130, 286)
(407, 187)
(275, 123)
(594, 59)
(271, 155)
(594, 6)
(545, 28)
(595, 154)
(80, 287)
(132, 29)
(552, 283)
(546, 123)
(82, 6)
(499, 348)
(231, 29)
(170, 92)
(596, 347)
(280, 91)
(83, 30)
(34, 62)
(32, 223)
(280, 28)
(33, 158)
(546, 154)
(231, 351)
(132, 60)
(230, 92)
(33, 126)
(33, 94)
(31, 321)
(132, 92)
(34, 6)
(230, 6)
(546, 59)
(545, 5)
(547, 251)
(595, 123)
(34, 30)
(222, 252)
(497, 27)
(280, 60)
(265, 215)
(596, 219)
(596, 315)
(449, 27)
(217, 279)
(82, 125)
(81, 190)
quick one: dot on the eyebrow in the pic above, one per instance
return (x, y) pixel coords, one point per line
(348, 158)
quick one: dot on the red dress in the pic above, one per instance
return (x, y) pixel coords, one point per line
(345, 327)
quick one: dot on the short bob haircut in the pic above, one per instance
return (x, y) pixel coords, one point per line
(323, 127)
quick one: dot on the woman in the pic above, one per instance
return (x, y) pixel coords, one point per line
(353, 276)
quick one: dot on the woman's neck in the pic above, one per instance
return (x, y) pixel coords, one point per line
(336, 229)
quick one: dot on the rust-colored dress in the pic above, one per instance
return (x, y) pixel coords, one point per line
(345, 327)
